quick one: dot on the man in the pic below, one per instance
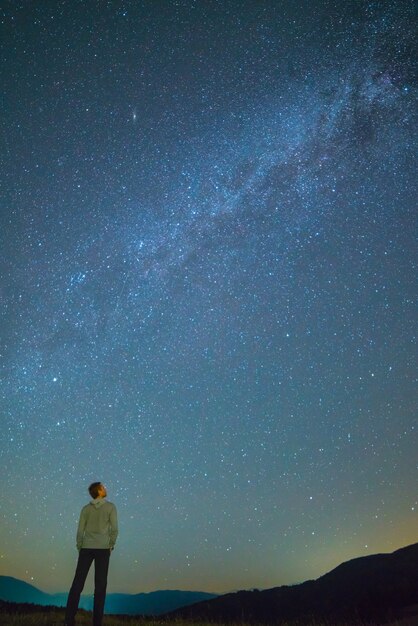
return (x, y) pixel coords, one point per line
(96, 537)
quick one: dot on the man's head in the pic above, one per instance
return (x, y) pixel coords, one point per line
(97, 490)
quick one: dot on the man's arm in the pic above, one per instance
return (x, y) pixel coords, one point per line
(113, 527)
(80, 530)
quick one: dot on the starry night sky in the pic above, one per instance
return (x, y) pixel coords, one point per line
(208, 275)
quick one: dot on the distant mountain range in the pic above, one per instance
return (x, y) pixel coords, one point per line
(154, 603)
(374, 588)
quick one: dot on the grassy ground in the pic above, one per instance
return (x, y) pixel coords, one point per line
(56, 618)
(52, 618)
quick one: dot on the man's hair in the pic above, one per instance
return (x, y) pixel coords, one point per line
(94, 490)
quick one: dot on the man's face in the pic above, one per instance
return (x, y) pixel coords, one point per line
(102, 491)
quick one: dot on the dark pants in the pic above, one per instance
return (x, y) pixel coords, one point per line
(101, 565)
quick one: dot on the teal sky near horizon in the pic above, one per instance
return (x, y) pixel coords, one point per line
(208, 287)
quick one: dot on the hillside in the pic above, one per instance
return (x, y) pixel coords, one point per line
(154, 603)
(371, 588)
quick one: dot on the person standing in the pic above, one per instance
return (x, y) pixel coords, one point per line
(96, 536)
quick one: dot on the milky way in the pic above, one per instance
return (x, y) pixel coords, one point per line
(208, 287)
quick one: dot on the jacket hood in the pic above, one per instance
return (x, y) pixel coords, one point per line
(98, 502)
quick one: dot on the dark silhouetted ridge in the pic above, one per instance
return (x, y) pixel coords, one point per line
(371, 588)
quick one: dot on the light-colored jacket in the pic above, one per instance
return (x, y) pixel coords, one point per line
(98, 525)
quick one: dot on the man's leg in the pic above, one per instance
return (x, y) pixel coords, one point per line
(101, 567)
(85, 559)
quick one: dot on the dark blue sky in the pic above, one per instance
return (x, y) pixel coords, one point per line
(208, 286)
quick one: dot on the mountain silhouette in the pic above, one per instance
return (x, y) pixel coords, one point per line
(15, 590)
(154, 603)
(373, 588)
